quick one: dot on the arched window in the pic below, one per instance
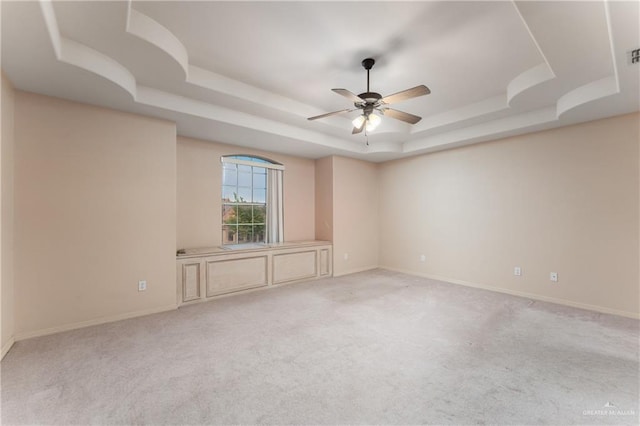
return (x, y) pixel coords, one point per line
(251, 200)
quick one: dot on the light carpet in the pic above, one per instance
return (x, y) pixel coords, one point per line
(376, 347)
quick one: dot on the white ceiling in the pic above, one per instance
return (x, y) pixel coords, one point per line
(250, 73)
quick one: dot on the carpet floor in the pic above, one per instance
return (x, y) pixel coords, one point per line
(376, 347)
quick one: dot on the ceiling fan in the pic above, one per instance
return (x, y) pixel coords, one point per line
(369, 102)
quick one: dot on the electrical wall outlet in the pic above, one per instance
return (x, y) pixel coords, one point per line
(517, 271)
(553, 276)
(142, 285)
(346, 256)
(423, 258)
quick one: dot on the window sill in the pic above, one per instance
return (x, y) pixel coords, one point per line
(245, 246)
(194, 252)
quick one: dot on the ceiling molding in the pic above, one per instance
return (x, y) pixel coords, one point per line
(144, 27)
(482, 132)
(598, 89)
(494, 68)
(73, 53)
(528, 80)
(534, 40)
(77, 54)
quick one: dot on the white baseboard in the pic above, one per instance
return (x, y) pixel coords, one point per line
(564, 302)
(98, 321)
(7, 346)
(354, 271)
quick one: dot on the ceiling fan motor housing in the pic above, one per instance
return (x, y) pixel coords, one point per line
(369, 97)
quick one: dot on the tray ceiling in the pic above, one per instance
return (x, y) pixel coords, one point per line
(250, 73)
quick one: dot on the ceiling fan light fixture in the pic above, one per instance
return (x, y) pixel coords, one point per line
(357, 122)
(373, 121)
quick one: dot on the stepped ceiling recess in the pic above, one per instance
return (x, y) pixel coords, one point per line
(250, 73)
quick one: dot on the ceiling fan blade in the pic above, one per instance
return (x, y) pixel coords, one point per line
(331, 113)
(406, 94)
(402, 116)
(349, 95)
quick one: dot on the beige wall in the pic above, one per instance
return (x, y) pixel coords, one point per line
(7, 327)
(324, 198)
(564, 200)
(103, 199)
(199, 193)
(355, 215)
(95, 211)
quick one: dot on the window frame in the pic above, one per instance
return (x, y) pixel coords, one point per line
(252, 161)
(264, 162)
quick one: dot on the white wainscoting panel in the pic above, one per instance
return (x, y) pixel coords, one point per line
(191, 281)
(325, 262)
(226, 276)
(294, 266)
(206, 273)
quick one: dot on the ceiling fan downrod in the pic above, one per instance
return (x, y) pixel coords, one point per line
(368, 64)
(368, 97)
